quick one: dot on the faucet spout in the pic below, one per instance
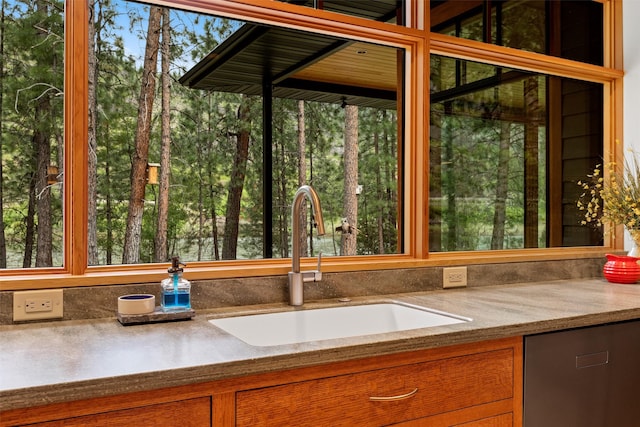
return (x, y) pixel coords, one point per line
(296, 278)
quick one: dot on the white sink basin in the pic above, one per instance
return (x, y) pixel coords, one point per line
(290, 327)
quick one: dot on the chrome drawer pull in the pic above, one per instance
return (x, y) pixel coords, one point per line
(392, 398)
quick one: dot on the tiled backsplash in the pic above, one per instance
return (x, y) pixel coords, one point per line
(101, 301)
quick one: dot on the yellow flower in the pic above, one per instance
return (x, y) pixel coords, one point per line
(612, 198)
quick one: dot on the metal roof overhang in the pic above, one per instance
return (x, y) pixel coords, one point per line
(301, 65)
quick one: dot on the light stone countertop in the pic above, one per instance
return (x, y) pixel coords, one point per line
(52, 362)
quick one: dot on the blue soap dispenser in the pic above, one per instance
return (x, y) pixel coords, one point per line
(176, 290)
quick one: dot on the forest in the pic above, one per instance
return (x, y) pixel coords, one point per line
(176, 171)
(192, 155)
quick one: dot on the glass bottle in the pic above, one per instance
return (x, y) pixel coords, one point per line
(175, 289)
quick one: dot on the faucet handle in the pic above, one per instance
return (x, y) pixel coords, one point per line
(315, 275)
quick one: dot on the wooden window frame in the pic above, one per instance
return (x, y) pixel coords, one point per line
(419, 43)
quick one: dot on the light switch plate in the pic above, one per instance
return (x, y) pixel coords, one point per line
(37, 305)
(454, 277)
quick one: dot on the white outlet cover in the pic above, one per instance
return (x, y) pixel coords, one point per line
(454, 277)
(44, 297)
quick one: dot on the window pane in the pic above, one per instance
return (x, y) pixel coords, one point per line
(567, 29)
(31, 143)
(316, 102)
(504, 143)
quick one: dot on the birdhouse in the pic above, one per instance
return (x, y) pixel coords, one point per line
(52, 175)
(152, 173)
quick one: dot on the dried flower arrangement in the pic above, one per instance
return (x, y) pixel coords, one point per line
(613, 199)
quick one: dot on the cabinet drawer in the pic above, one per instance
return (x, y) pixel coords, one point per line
(504, 420)
(183, 413)
(429, 388)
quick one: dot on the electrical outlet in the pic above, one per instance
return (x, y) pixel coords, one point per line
(37, 305)
(454, 277)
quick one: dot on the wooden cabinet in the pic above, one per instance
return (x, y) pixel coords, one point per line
(503, 420)
(384, 396)
(186, 413)
(477, 385)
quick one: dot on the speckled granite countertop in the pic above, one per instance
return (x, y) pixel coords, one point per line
(82, 359)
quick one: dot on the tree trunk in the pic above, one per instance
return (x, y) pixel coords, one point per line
(448, 173)
(92, 162)
(131, 253)
(43, 192)
(203, 185)
(212, 192)
(108, 198)
(350, 201)
(380, 195)
(531, 162)
(204, 178)
(393, 212)
(214, 219)
(30, 225)
(3, 241)
(280, 166)
(236, 184)
(502, 187)
(165, 149)
(302, 177)
(41, 143)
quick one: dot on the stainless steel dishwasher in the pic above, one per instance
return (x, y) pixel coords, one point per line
(587, 377)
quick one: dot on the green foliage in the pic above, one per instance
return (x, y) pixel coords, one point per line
(470, 148)
(204, 136)
(32, 87)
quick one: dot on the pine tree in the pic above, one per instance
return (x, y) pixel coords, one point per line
(160, 245)
(131, 252)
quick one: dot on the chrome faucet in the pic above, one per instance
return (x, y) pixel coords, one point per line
(297, 278)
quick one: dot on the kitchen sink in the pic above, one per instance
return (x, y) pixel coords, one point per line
(303, 325)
